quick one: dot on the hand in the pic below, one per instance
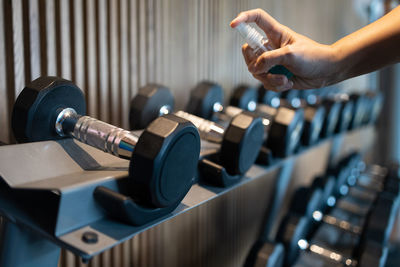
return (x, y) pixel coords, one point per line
(314, 65)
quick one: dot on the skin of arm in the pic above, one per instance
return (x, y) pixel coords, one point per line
(316, 65)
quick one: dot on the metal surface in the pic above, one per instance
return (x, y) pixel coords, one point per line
(208, 130)
(65, 169)
(104, 136)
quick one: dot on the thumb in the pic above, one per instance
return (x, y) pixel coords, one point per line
(267, 60)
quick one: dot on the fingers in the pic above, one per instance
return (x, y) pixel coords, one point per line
(248, 54)
(280, 56)
(274, 82)
(267, 23)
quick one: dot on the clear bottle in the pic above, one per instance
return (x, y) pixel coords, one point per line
(260, 44)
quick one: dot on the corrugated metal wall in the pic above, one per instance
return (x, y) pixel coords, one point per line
(111, 48)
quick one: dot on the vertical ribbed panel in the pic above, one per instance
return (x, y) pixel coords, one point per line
(110, 49)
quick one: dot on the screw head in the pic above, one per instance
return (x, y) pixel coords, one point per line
(90, 237)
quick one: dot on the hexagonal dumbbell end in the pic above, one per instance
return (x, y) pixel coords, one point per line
(241, 143)
(285, 133)
(373, 254)
(270, 254)
(244, 97)
(164, 160)
(150, 102)
(268, 97)
(33, 117)
(205, 99)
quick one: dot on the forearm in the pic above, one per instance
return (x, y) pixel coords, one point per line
(370, 48)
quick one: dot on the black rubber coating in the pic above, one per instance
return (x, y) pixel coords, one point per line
(331, 117)
(292, 229)
(34, 113)
(164, 160)
(306, 200)
(202, 99)
(241, 143)
(270, 255)
(373, 255)
(268, 97)
(360, 110)
(345, 115)
(376, 107)
(327, 185)
(242, 96)
(313, 121)
(145, 106)
(280, 136)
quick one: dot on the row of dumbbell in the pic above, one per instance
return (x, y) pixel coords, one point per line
(363, 108)
(163, 157)
(371, 196)
(238, 131)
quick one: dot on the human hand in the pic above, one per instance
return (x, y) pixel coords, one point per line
(314, 65)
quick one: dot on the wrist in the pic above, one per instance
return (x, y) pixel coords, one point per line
(339, 63)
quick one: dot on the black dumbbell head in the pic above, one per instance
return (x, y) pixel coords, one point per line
(285, 132)
(241, 143)
(359, 111)
(268, 97)
(35, 110)
(332, 108)
(203, 98)
(327, 185)
(147, 104)
(314, 116)
(376, 105)
(305, 201)
(379, 221)
(244, 97)
(270, 255)
(345, 115)
(373, 255)
(164, 161)
(291, 230)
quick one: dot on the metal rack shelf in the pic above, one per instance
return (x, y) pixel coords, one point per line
(53, 192)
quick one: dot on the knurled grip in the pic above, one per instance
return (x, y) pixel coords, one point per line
(104, 136)
(208, 130)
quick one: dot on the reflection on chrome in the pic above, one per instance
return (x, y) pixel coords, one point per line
(217, 107)
(317, 215)
(266, 122)
(251, 106)
(164, 110)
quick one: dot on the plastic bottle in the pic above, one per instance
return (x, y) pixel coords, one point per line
(260, 44)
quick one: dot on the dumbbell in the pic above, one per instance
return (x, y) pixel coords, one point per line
(360, 110)
(345, 112)
(364, 185)
(375, 107)
(314, 115)
(283, 126)
(268, 97)
(336, 188)
(240, 140)
(332, 116)
(294, 230)
(163, 158)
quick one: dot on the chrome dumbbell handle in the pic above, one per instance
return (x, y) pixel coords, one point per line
(333, 221)
(93, 132)
(326, 253)
(208, 130)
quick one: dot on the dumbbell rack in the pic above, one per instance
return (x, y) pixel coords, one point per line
(66, 214)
